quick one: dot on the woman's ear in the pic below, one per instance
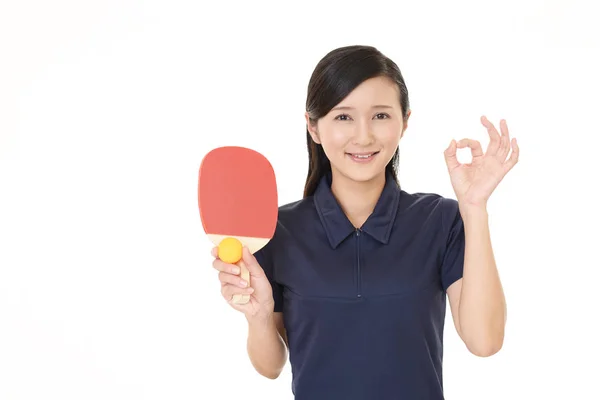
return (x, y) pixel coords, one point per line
(405, 123)
(312, 129)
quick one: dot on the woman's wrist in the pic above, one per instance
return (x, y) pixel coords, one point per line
(262, 319)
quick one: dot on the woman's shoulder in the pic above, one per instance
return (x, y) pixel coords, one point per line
(294, 216)
(429, 200)
(296, 209)
(432, 206)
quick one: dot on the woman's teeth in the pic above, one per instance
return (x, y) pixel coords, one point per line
(362, 157)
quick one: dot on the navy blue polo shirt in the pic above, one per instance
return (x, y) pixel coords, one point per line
(364, 309)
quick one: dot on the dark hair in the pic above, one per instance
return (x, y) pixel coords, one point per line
(334, 77)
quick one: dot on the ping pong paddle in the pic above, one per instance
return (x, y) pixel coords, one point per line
(237, 198)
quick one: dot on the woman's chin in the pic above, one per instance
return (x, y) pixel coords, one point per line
(363, 173)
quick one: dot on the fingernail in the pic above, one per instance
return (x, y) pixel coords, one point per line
(235, 270)
(243, 283)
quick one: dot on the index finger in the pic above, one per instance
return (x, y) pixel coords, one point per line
(224, 267)
(493, 134)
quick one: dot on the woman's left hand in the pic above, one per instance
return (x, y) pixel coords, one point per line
(474, 183)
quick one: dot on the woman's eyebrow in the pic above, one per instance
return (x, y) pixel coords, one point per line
(352, 108)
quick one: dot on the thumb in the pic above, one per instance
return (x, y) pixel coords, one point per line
(450, 156)
(252, 264)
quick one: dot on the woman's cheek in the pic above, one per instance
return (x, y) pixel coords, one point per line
(337, 138)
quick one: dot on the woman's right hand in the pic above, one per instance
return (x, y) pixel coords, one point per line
(261, 302)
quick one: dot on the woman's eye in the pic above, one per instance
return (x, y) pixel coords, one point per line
(346, 117)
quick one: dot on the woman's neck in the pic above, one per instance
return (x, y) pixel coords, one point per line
(357, 199)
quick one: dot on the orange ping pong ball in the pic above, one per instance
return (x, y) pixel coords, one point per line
(230, 250)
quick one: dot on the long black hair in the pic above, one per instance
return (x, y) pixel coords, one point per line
(335, 76)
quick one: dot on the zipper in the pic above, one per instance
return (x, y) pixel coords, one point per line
(358, 288)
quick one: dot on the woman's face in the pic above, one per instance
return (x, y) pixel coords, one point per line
(361, 133)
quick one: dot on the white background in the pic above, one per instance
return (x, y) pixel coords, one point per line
(107, 107)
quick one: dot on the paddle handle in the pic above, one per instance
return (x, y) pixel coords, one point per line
(245, 275)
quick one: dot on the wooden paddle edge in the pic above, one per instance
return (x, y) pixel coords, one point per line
(253, 244)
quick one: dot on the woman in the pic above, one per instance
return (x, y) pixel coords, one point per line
(354, 281)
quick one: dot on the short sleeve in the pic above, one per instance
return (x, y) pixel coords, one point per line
(265, 260)
(454, 256)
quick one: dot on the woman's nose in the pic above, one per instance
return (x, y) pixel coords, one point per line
(363, 134)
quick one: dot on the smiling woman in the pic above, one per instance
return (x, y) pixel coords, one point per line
(354, 90)
(356, 131)
(355, 280)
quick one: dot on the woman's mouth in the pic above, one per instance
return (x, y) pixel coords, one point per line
(362, 157)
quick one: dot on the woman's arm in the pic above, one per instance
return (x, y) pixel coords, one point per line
(267, 341)
(477, 300)
(267, 344)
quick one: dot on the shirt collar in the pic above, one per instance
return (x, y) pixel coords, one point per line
(338, 227)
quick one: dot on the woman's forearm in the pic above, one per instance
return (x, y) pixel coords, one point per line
(266, 348)
(482, 307)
